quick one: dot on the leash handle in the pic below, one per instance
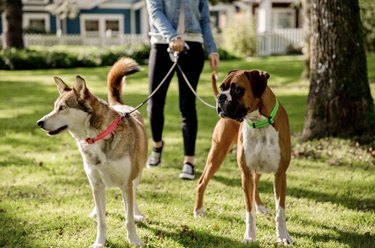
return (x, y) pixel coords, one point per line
(175, 54)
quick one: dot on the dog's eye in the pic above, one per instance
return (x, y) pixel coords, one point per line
(62, 107)
(237, 90)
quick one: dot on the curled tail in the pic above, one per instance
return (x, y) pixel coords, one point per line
(116, 78)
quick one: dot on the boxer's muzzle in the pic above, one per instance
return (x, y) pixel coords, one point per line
(229, 107)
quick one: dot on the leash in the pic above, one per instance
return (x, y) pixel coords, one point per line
(192, 89)
(113, 125)
(152, 93)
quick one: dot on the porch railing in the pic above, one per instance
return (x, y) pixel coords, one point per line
(84, 40)
(275, 42)
(278, 41)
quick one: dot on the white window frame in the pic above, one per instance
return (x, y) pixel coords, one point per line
(29, 16)
(277, 11)
(35, 1)
(101, 18)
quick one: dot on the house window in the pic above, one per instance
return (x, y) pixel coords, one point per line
(112, 25)
(283, 18)
(92, 26)
(96, 24)
(36, 23)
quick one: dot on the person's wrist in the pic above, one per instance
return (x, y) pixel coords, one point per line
(214, 54)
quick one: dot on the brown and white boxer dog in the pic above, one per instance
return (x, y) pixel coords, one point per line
(252, 118)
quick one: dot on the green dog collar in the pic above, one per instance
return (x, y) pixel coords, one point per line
(266, 122)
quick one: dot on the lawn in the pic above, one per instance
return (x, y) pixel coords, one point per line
(45, 198)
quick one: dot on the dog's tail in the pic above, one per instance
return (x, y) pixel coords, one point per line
(116, 78)
(213, 83)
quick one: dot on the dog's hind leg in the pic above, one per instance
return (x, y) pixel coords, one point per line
(99, 197)
(138, 217)
(221, 144)
(127, 194)
(259, 206)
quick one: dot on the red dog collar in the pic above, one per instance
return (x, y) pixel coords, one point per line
(106, 132)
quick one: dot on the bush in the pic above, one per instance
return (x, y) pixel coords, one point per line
(240, 38)
(67, 57)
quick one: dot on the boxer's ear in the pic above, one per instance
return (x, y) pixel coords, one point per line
(258, 81)
(234, 70)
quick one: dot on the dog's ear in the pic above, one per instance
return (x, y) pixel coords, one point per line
(80, 87)
(258, 81)
(234, 70)
(61, 85)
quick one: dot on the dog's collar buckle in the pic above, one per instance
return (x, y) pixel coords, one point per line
(90, 141)
(268, 121)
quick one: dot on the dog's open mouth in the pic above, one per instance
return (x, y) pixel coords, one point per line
(60, 129)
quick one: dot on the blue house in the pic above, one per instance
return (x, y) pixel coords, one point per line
(91, 17)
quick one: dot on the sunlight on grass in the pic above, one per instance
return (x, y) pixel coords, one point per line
(45, 198)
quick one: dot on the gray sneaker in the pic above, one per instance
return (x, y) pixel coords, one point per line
(187, 171)
(155, 158)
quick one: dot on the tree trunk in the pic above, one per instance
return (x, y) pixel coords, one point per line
(339, 100)
(12, 33)
(306, 6)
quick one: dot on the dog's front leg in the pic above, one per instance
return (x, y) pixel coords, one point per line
(223, 137)
(248, 186)
(280, 192)
(127, 194)
(101, 232)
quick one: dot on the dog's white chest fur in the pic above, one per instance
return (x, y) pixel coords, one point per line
(106, 172)
(261, 146)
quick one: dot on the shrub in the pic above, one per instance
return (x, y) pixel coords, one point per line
(240, 37)
(67, 57)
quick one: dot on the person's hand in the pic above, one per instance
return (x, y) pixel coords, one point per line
(214, 61)
(177, 44)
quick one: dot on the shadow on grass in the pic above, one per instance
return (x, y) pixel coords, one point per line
(188, 237)
(349, 202)
(350, 239)
(13, 231)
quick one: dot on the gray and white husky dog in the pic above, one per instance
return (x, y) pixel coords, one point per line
(113, 146)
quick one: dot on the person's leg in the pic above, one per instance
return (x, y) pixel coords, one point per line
(159, 65)
(192, 65)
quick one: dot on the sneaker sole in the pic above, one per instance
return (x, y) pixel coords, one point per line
(152, 166)
(187, 176)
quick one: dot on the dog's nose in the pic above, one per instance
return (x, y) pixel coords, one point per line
(40, 123)
(222, 98)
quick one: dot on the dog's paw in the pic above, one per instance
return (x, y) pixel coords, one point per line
(261, 209)
(97, 245)
(285, 240)
(136, 241)
(248, 240)
(199, 213)
(138, 218)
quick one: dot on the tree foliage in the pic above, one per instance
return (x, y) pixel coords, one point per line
(368, 22)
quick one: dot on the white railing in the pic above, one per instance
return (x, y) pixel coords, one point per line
(81, 40)
(278, 41)
(274, 42)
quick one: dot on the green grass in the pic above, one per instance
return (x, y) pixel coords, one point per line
(45, 198)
